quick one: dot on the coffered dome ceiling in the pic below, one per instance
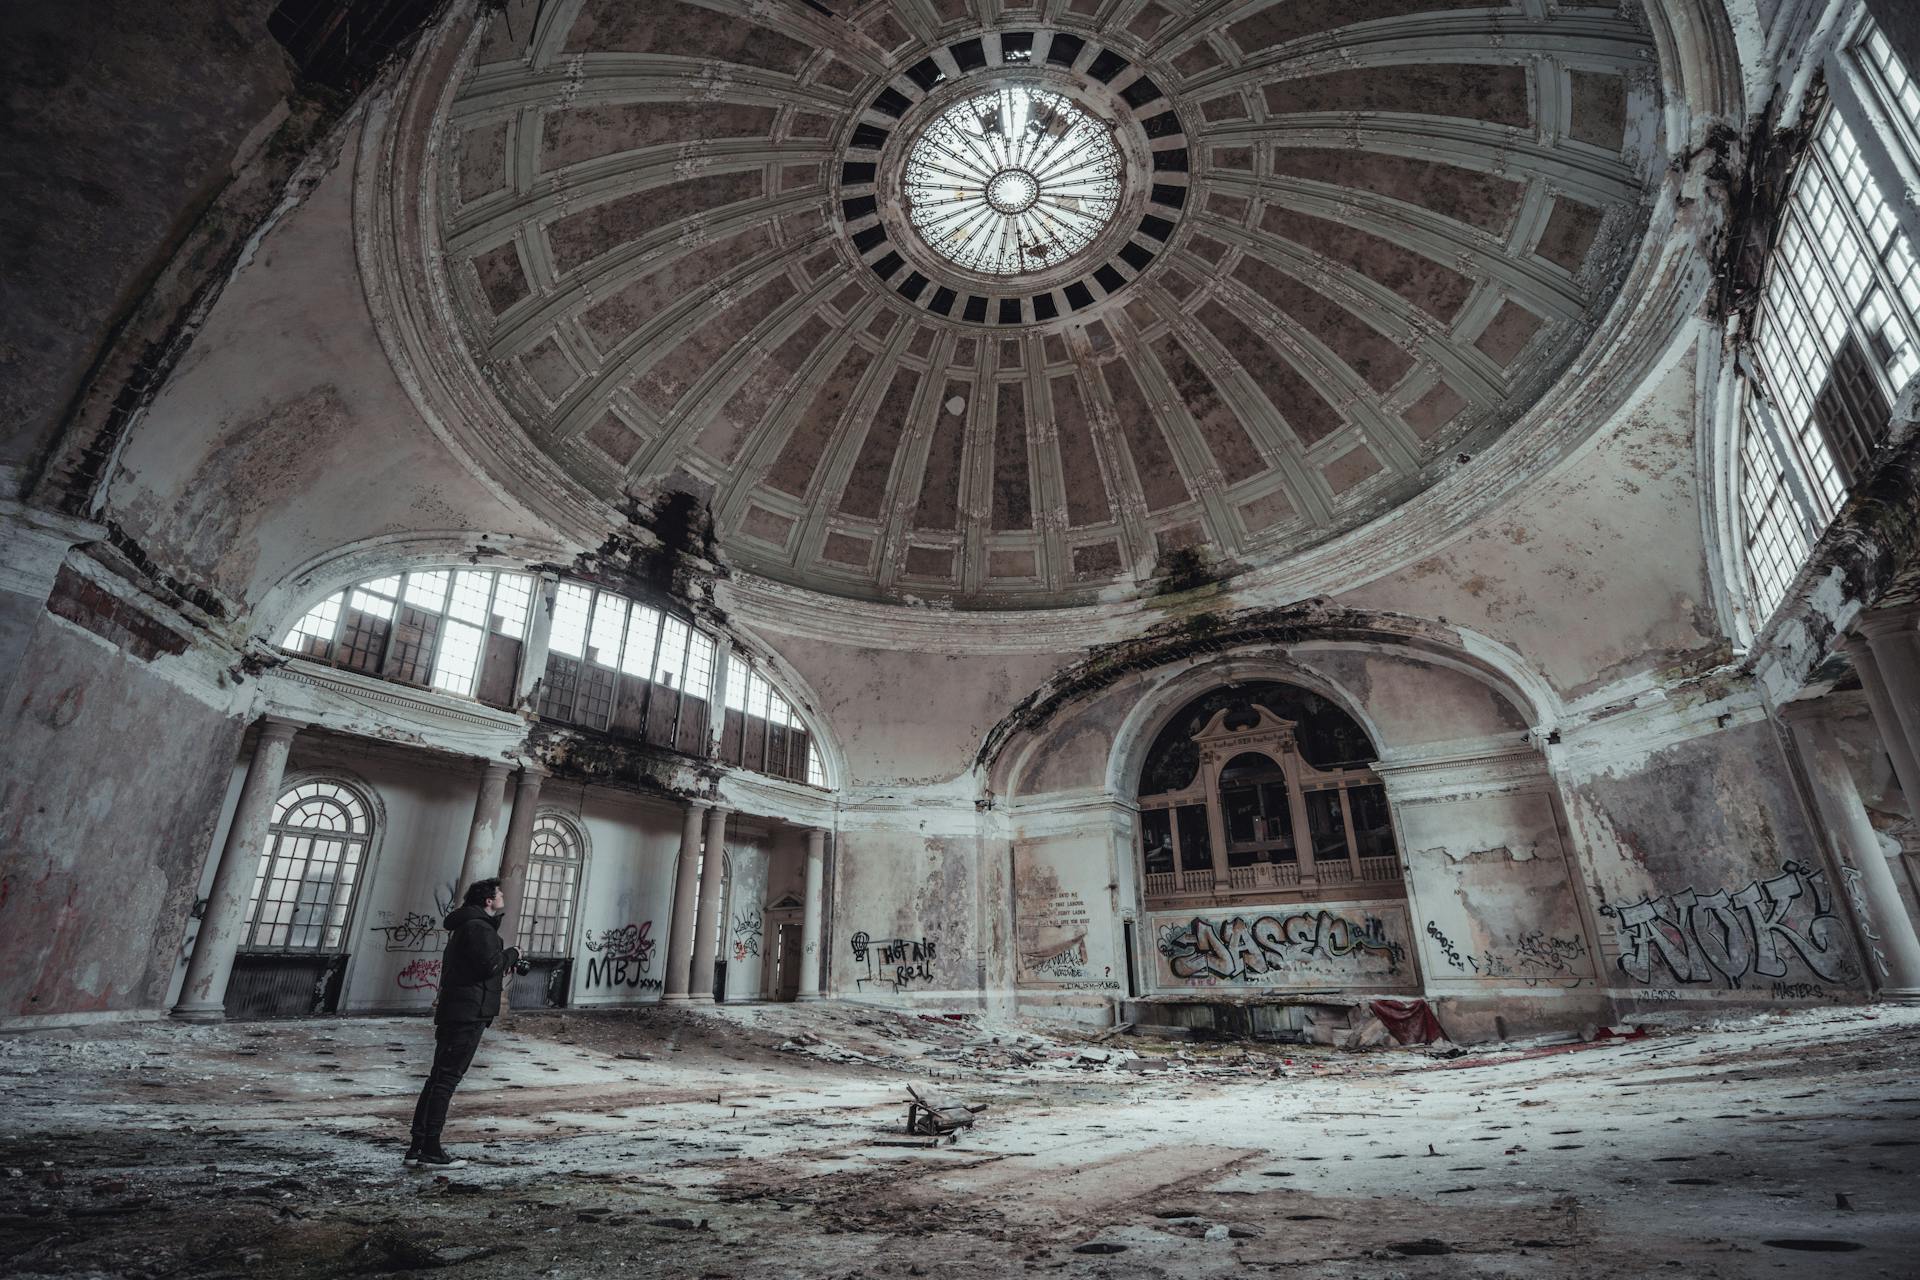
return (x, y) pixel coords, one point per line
(1007, 305)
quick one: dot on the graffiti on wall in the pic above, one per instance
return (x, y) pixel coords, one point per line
(747, 928)
(1357, 943)
(1533, 956)
(1694, 937)
(414, 931)
(419, 975)
(621, 957)
(894, 962)
(1856, 895)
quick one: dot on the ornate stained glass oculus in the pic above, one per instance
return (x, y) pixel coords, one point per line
(1015, 179)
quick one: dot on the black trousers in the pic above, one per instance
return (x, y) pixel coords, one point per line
(453, 1048)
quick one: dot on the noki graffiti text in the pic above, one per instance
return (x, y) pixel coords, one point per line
(1241, 949)
(747, 928)
(415, 931)
(1693, 937)
(621, 957)
(419, 975)
(894, 962)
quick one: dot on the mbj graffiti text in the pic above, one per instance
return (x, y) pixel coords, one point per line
(621, 956)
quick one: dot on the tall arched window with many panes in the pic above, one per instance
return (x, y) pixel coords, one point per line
(316, 851)
(554, 869)
(1836, 334)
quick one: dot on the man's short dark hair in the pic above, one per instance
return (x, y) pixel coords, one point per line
(480, 890)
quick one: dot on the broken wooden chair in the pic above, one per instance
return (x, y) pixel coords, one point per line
(936, 1115)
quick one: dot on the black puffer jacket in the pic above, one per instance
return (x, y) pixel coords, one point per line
(470, 974)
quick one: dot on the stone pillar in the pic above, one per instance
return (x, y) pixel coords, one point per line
(483, 837)
(1893, 951)
(1886, 720)
(686, 885)
(513, 859)
(1888, 660)
(811, 913)
(706, 930)
(203, 996)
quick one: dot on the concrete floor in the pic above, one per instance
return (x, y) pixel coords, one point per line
(662, 1142)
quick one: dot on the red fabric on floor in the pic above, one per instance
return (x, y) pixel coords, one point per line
(1409, 1021)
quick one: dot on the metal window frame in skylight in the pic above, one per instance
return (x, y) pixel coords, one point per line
(1052, 169)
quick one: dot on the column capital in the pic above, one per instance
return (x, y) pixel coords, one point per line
(1888, 620)
(532, 775)
(694, 802)
(501, 767)
(279, 728)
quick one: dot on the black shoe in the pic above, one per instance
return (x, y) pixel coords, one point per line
(435, 1158)
(413, 1155)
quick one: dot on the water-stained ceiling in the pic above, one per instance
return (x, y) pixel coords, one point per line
(1355, 240)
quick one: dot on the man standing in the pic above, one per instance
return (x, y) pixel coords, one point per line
(469, 1001)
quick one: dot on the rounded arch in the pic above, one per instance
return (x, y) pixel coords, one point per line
(343, 566)
(557, 862)
(1159, 707)
(283, 819)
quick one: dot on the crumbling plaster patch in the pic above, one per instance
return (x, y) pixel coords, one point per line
(283, 433)
(1597, 575)
(103, 827)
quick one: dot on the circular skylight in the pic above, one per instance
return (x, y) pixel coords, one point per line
(1015, 179)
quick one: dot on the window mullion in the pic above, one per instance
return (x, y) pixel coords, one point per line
(1791, 466)
(1871, 126)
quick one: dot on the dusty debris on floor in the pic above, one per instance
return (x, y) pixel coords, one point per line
(750, 1142)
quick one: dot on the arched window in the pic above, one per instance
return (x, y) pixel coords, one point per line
(762, 731)
(554, 869)
(1836, 337)
(316, 848)
(456, 630)
(1265, 788)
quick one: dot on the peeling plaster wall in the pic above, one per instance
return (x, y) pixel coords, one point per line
(625, 907)
(1663, 834)
(1069, 948)
(283, 433)
(914, 891)
(111, 782)
(904, 717)
(1597, 575)
(743, 931)
(1497, 914)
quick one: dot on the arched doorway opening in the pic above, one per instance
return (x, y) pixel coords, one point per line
(1266, 847)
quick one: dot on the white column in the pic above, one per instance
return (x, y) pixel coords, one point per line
(1886, 720)
(717, 706)
(483, 836)
(533, 655)
(1893, 951)
(812, 912)
(513, 859)
(1888, 660)
(686, 887)
(203, 996)
(706, 929)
